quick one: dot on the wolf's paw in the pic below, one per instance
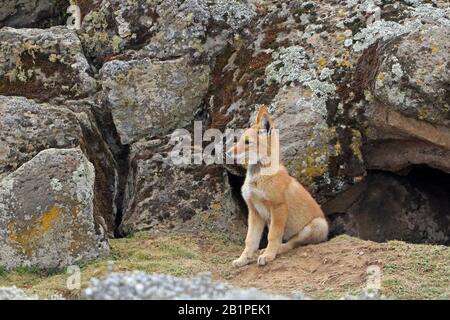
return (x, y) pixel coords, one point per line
(264, 259)
(240, 262)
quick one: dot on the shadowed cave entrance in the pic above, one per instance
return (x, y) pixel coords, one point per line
(412, 205)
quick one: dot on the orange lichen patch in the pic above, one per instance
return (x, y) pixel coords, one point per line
(344, 61)
(307, 169)
(356, 144)
(216, 206)
(345, 64)
(313, 162)
(49, 218)
(341, 13)
(27, 238)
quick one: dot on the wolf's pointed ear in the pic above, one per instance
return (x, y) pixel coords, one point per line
(263, 120)
(262, 110)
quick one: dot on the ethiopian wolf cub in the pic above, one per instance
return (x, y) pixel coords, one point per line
(273, 197)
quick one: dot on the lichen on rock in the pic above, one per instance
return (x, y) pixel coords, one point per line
(150, 97)
(32, 13)
(47, 227)
(43, 64)
(384, 30)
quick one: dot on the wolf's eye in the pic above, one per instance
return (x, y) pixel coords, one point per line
(247, 141)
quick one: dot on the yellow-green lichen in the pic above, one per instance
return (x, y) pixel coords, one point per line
(19, 72)
(356, 144)
(53, 57)
(115, 44)
(313, 161)
(27, 237)
(344, 60)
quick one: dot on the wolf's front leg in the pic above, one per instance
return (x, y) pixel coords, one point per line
(255, 229)
(278, 218)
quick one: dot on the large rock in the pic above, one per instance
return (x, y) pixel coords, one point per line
(27, 127)
(150, 98)
(127, 286)
(161, 195)
(343, 83)
(349, 94)
(43, 64)
(164, 29)
(300, 112)
(308, 70)
(408, 115)
(47, 212)
(397, 101)
(414, 74)
(198, 27)
(306, 139)
(32, 13)
(290, 67)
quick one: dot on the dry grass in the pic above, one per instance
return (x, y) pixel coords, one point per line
(176, 255)
(324, 271)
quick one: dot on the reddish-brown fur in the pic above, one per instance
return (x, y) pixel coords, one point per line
(274, 198)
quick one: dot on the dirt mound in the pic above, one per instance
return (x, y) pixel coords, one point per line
(340, 266)
(314, 267)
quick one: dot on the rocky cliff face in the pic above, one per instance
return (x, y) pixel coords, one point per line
(359, 90)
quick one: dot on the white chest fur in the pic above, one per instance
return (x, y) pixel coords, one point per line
(262, 210)
(250, 192)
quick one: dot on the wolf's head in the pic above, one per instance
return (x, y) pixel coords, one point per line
(259, 144)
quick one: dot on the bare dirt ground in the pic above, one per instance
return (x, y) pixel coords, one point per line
(340, 266)
(324, 271)
(317, 269)
(314, 268)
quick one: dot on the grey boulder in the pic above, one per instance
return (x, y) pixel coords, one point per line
(47, 212)
(150, 98)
